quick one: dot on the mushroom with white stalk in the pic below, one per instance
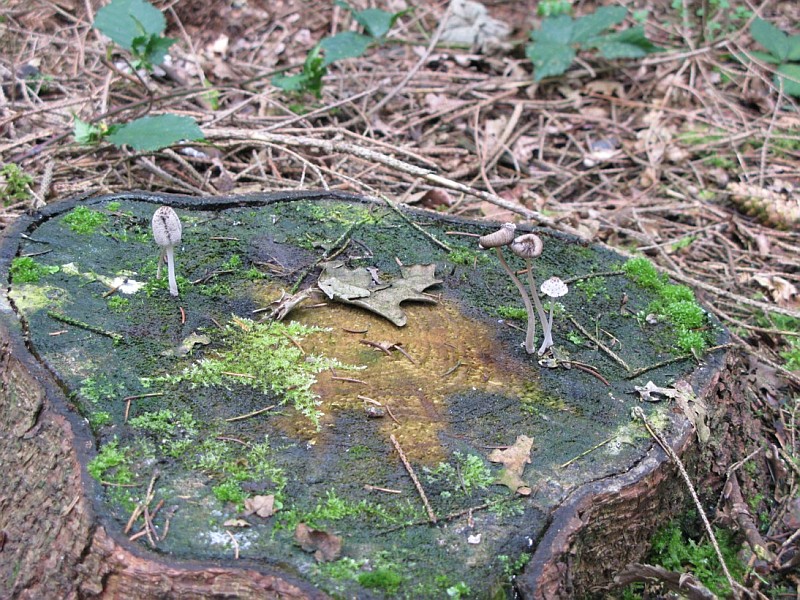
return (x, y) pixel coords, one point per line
(167, 233)
(528, 247)
(503, 237)
(553, 288)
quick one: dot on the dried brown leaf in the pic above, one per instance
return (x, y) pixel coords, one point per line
(262, 506)
(514, 458)
(325, 546)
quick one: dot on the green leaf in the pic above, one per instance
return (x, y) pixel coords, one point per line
(125, 20)
(310, 80)
(790, 74)
(762, 56)
(592, 25)
(375, 21)
(86, 133)
(772, 38)
(549, 59)
(150, 50)
(153, 133)
(794, 48)
(629, 43)
(347, 44)
(555, 30)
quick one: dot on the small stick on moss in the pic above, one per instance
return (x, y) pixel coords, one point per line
(235, 545)
(375, 488)
(232, 374)
(599, 344)
(112, 291)
(413, 225)
(590, 275)
(129, 398)
(152, 536)
(674, 359)
(252, 414)
(589, 369)
(183, 315)
(451, 369)
(417, 484)
(87, 326)
(391, 414)
(639, 413)
(336, 248)
(347, 379)
(585, 452)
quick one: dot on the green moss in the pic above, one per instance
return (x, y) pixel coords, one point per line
(465, 473)
(14, 184)
(26, 270)
(673, 551)
(263, 356)
(84, 220)
(98, 419)
(230, 491)
(119, 304)
(111, 465)
(467, 257)
(675, 303)
(385, 579)
(512, 312)
(592, 286)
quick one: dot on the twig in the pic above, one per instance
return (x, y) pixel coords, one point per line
(599, 344)
(638, 412)
(375, 488)
(87, 326)
(585, 452)
(417, 484)
(252, 414)
(235, 544)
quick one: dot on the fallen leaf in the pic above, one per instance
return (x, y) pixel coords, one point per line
(692, 407)
(236, 523)
(262, 506)
(325, 546)
(514, 458)
(779, 288)
(357, 287)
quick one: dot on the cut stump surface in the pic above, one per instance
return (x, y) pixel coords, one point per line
(193, 447)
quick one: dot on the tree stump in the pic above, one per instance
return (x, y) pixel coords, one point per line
(337, 403)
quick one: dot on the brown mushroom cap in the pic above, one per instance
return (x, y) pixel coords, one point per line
(554, 287)
(527, 246)
(166, 227)
(501, 237)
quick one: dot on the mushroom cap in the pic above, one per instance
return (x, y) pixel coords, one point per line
(527, 246)
(166, 227)
(554, 287)
(501, 237)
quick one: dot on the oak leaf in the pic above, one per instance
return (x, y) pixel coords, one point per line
(514, 458)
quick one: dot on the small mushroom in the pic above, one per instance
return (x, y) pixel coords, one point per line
(553, 288)
(167, 233)
(503, 237)
(528, 247)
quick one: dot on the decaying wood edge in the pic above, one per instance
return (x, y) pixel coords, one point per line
(608, 524)
(51, 543)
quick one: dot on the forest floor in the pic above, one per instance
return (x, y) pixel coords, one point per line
(689, 156)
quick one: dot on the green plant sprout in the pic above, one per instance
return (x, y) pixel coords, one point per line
(14, 184)
(26, 270)
(347, 44)
(782, 50)
(466, 473)
(136, 26)
(556, 42)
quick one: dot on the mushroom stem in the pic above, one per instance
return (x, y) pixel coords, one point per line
(546, 327)
(530, 334)
(548, 333)
(173, 285)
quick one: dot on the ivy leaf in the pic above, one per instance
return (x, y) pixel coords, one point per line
(347, 44)
(356, 287)
(790, 74)
(772, 38)
(630, 43)
(86, 133)
(125, 20)
(555, 30)
(153, 133)
(549, 59)
(585, 28)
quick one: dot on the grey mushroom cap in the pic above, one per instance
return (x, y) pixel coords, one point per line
(527, 246)
(554, 287)
(502, 237)
(167, 227)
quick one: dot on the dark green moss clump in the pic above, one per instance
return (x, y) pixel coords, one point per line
(382, 579)
(676, 303)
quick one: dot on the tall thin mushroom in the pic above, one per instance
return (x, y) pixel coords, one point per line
(496, 240)
(167, 233)
(528, 247)
(553, 288)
